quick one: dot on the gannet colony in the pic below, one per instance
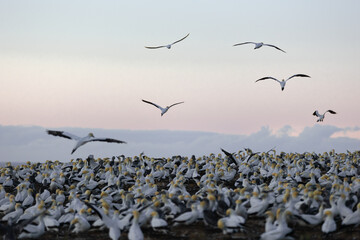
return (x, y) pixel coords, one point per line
(246, 195)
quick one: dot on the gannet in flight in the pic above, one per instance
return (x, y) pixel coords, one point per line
(169, 45)
(163, 110)
(259, 45)
(322, 116)
(282, 82)
(81, 141)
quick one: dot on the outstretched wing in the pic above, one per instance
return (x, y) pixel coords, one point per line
(316, 113)
(238, 44)
(297, 75)
(269, 45)
(265, 78)
(331, 111)
(155, 47)
(152, 104)
(181, 39)
(63, 134)
(229, 155)
(105, 218)
(175, 104)
(19, 226)
(109, 140)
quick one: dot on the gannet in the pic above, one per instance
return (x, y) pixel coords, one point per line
(163, 110)
(322, 116)
(259, 45)
(169, 45)
(135, 232)
(282, 82)
(110, 223)
(353, 218)
(81, 141)
(329, 224)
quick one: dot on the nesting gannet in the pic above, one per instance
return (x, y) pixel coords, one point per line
(322, 116)
(282, 82)
(135, 232)
(259, 45)
(329, 224)
(353, 218)
(169, 45)
(163, 110)
(10, 230)
(111, 224)
(81, 141)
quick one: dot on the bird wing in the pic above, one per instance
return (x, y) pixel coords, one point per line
(242, 43)
(265, 78)
(152, 104)
(229, 155)
(63, 134)
(19, 226)
(175, 104)
(297, 75)
(110, 140)
(269, 45)
(106, 219)
(331, 111)
(155, 47)
(316, 113)
(181, 39)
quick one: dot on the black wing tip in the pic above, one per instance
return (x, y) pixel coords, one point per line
(331, 111)
(302, 75)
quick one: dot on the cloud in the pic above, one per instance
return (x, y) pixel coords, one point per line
(23, 143)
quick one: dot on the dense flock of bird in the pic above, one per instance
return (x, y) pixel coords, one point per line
(130, 195)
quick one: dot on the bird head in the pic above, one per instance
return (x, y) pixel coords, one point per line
(91, 135)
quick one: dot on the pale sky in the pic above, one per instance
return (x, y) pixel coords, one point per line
(83, 64)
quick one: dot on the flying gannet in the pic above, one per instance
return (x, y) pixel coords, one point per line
(322, 116)
(282, 82)
(81, 141)
(169, 45)
(259, 45)
(163, 110)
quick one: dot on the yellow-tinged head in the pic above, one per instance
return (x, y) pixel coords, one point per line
(270, 214)
(136, 214)
(229, 211)
(328, 213)
(221, 224)
(75, 220)
(211, 197)
(154, 214)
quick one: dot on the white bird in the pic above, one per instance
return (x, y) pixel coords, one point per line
(314, 219)
(111, 224)
(163, 110)
(14, 215)
(81, 141)
(188, 217)
(168, 46)
(259, 45)
(282, 82)
(80, 222)
(353, 218)
(135, 232)
(329, 224)
(157, 222)
(322, 116)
